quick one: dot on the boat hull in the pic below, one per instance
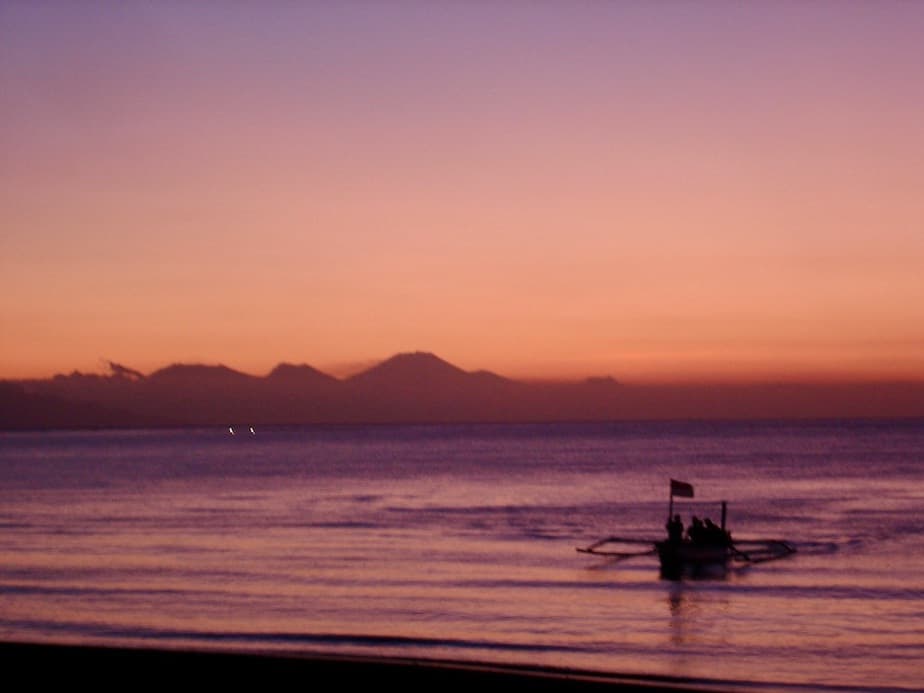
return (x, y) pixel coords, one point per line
(690, 560)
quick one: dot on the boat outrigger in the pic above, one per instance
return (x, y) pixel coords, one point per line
(707, 550)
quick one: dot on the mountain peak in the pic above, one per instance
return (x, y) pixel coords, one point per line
(299, 373)
(419, 359)
(417, 366)
(182, 371)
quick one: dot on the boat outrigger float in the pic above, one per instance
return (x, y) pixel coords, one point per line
(706, 550)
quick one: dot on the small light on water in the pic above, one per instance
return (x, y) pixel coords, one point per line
(231, 430)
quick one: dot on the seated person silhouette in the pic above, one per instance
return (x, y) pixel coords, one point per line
(675, 530)
(696, 533)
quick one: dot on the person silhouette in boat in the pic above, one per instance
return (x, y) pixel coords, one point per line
(675, 530)
(714, 535)
(697, 531)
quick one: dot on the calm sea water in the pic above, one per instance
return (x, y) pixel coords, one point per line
(458, 542)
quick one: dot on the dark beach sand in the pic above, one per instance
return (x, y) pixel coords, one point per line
(129, 668)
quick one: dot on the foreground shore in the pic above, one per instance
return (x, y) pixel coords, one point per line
(105, 667)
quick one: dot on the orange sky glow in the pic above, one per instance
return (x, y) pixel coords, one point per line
(653, 191)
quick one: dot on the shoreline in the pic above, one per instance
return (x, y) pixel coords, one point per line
(117, 666)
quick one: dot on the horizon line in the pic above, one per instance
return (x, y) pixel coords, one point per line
(759, 378)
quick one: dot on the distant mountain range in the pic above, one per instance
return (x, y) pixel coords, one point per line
(411, 388)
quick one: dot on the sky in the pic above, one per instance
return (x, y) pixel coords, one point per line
(670, 191)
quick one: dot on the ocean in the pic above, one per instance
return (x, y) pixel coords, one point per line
(458, 542)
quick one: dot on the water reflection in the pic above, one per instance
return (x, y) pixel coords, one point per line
(678, 608)
(698, 614)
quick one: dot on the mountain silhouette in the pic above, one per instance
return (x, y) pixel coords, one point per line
(420, 386)
(415, 387)
(199, 374)
(288, 374)
(420, 370)
(23, 410)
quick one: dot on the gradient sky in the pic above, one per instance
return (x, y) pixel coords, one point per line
(655, 191)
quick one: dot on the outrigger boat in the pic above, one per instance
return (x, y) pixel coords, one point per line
(707, 550)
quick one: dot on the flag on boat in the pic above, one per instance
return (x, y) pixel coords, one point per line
(681, 489)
